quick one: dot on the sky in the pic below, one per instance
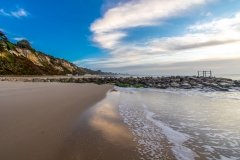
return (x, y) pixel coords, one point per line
(144, 37)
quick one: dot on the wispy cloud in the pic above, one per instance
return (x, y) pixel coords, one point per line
(18, 14)
(216, 39)
(193, 41)
(19, 38)
(136, 13)
(220, 25)
(2, 12)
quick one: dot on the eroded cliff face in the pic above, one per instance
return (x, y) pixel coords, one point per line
(2, 54)
(14, 57)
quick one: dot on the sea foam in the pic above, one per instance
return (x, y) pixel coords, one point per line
(193, 122)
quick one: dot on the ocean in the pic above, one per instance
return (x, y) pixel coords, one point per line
(190, 124)
(230, 76)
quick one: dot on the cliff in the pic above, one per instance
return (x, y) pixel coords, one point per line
(19, 60)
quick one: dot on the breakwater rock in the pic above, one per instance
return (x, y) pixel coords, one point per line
(183, 82)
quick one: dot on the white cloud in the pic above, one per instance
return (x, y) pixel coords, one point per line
(4, 13)
(18, 38)
(224, 24)
(134, 14)
(141, 13)
(108, 40)
(18, 14)
(192, 41)
(215, 40)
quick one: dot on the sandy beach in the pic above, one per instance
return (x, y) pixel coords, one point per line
(51, 120)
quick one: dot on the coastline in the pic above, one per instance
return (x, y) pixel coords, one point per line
(89, 121)
(36, 119)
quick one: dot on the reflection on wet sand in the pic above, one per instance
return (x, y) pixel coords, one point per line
(101, 134)
(108, 121)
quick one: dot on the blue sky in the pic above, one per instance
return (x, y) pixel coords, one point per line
(131, 36)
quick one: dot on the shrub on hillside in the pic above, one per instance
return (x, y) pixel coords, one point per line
(24, 44)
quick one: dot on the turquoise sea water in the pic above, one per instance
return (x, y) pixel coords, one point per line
(196, 124)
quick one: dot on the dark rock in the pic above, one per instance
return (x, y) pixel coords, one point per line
(206, 84)
(225, 85)
(53, 80)
(38, 80)
(175, 85)
(47, 80)
(185, 82)
(186, 86)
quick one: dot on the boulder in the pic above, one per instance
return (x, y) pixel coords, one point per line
(158, 86)
(163, 86)
(178, 80)
(47, 80)
(210, 80)
(218, 88)
(53, 80)
(186, 86)
(206, 84)
(225, 85)
(193, 83)
(71, 80)
(175, 85)
(214, 85)
(38, 80)
(27, 80)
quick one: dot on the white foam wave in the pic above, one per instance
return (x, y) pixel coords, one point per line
(149, 132)
(186, 119)
(181, 152)
(232, 94)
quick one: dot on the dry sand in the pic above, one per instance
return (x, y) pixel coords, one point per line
(21, 78)
(36, 119)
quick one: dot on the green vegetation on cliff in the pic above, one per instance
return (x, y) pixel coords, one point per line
(22, 59)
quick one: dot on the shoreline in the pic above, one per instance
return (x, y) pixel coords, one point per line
(71, 121)
(37, 119)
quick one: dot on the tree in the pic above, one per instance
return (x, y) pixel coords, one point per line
(3, 37)
(24, 44)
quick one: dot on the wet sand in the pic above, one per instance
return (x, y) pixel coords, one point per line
(37, 120)
(101, 134)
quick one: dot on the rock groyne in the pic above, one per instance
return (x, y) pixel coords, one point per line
(182, 82)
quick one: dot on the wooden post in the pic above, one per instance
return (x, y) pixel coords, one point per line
(205, 73)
